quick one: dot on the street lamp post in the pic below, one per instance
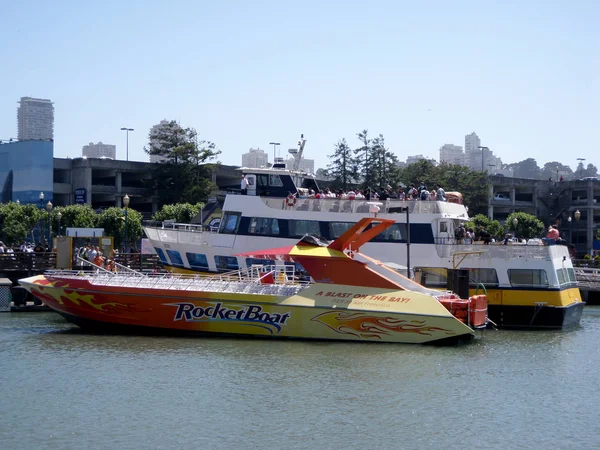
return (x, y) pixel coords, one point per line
(59, 216)
(40, 221)
(408, 239)
(49, 209)
(515, 225)
(127, 130)
(274, 144)
(126, 204)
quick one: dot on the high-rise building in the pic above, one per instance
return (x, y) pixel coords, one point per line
(472, 143)
(255, 158)
(474, 157)
(306, 165)
(99, 150)
(35, 118)
(452, 154)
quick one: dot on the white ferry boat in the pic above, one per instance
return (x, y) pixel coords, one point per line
(527, 286)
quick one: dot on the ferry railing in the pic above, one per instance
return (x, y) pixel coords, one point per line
(358, 206)
(447, 246)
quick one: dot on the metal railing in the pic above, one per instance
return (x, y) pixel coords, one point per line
(282, 280)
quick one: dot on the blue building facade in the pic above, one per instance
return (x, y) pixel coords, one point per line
(26, 169)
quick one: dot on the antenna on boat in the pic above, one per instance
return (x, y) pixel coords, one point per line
(297, 153)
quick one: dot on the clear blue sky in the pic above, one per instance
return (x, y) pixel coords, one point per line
(524, 75)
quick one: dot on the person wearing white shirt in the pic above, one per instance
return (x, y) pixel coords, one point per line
(244, 185)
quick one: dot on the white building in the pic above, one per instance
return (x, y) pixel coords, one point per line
(35, 118)
(255, 158)
(99, 150)
(452, 154)
(306, 165)
(474, 157)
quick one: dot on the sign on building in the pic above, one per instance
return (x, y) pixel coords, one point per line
(80, 196)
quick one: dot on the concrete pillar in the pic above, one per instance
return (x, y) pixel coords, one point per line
(118, 185)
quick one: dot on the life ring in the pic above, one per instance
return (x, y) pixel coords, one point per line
(290, 200)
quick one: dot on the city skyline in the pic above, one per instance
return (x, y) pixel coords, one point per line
(533, 94)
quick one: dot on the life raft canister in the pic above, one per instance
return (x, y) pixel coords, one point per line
(290, 200)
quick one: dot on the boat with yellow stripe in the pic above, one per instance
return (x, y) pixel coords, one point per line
(349, 297)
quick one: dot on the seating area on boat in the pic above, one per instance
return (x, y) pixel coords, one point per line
(258, 279)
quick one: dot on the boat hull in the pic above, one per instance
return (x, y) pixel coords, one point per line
(536, 316)
(338, 313)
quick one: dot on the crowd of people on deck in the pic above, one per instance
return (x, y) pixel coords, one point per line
(87, 256)
(382, 194)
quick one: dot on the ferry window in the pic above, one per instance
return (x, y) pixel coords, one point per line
(433, 277)
(443, 227)
(197, 260)
(229, 223)
(259, 261)
(394, 233)
(161, 255)
(336, 229)
(487, 277)
(571, 273)
(226, 263)
(262, 180)
(175, 257)
(527, 277)
(560, 273)
(275, 180)
(265, 226)
(299, 228)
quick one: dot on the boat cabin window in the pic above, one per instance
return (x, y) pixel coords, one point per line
(443, 227)
(229, 223)
(226, 263)
(433, 277)
(259, 262)
(336, 229)
(487, 277)
(197, 260)
(566, 276)
(528, 277)
(161, 255)
(262, 181)
(394, 233)
(298, 228)
(175, 258)
(265, 226)
(275, 180)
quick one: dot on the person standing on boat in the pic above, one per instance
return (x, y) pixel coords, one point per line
(244, 185)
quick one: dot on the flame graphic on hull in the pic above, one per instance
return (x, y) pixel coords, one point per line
(57, 291)
(369, 326)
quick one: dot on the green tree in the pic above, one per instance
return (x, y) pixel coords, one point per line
(180, 212)
(493, 227)
(473, 184)
(186, 171)
(421, 171)
(527, 168)
(343, 167)
(75, 216)
(364, 159)
(18, 221)
(114, 224)
(554, 170)
(528, 226)
(384, 164)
